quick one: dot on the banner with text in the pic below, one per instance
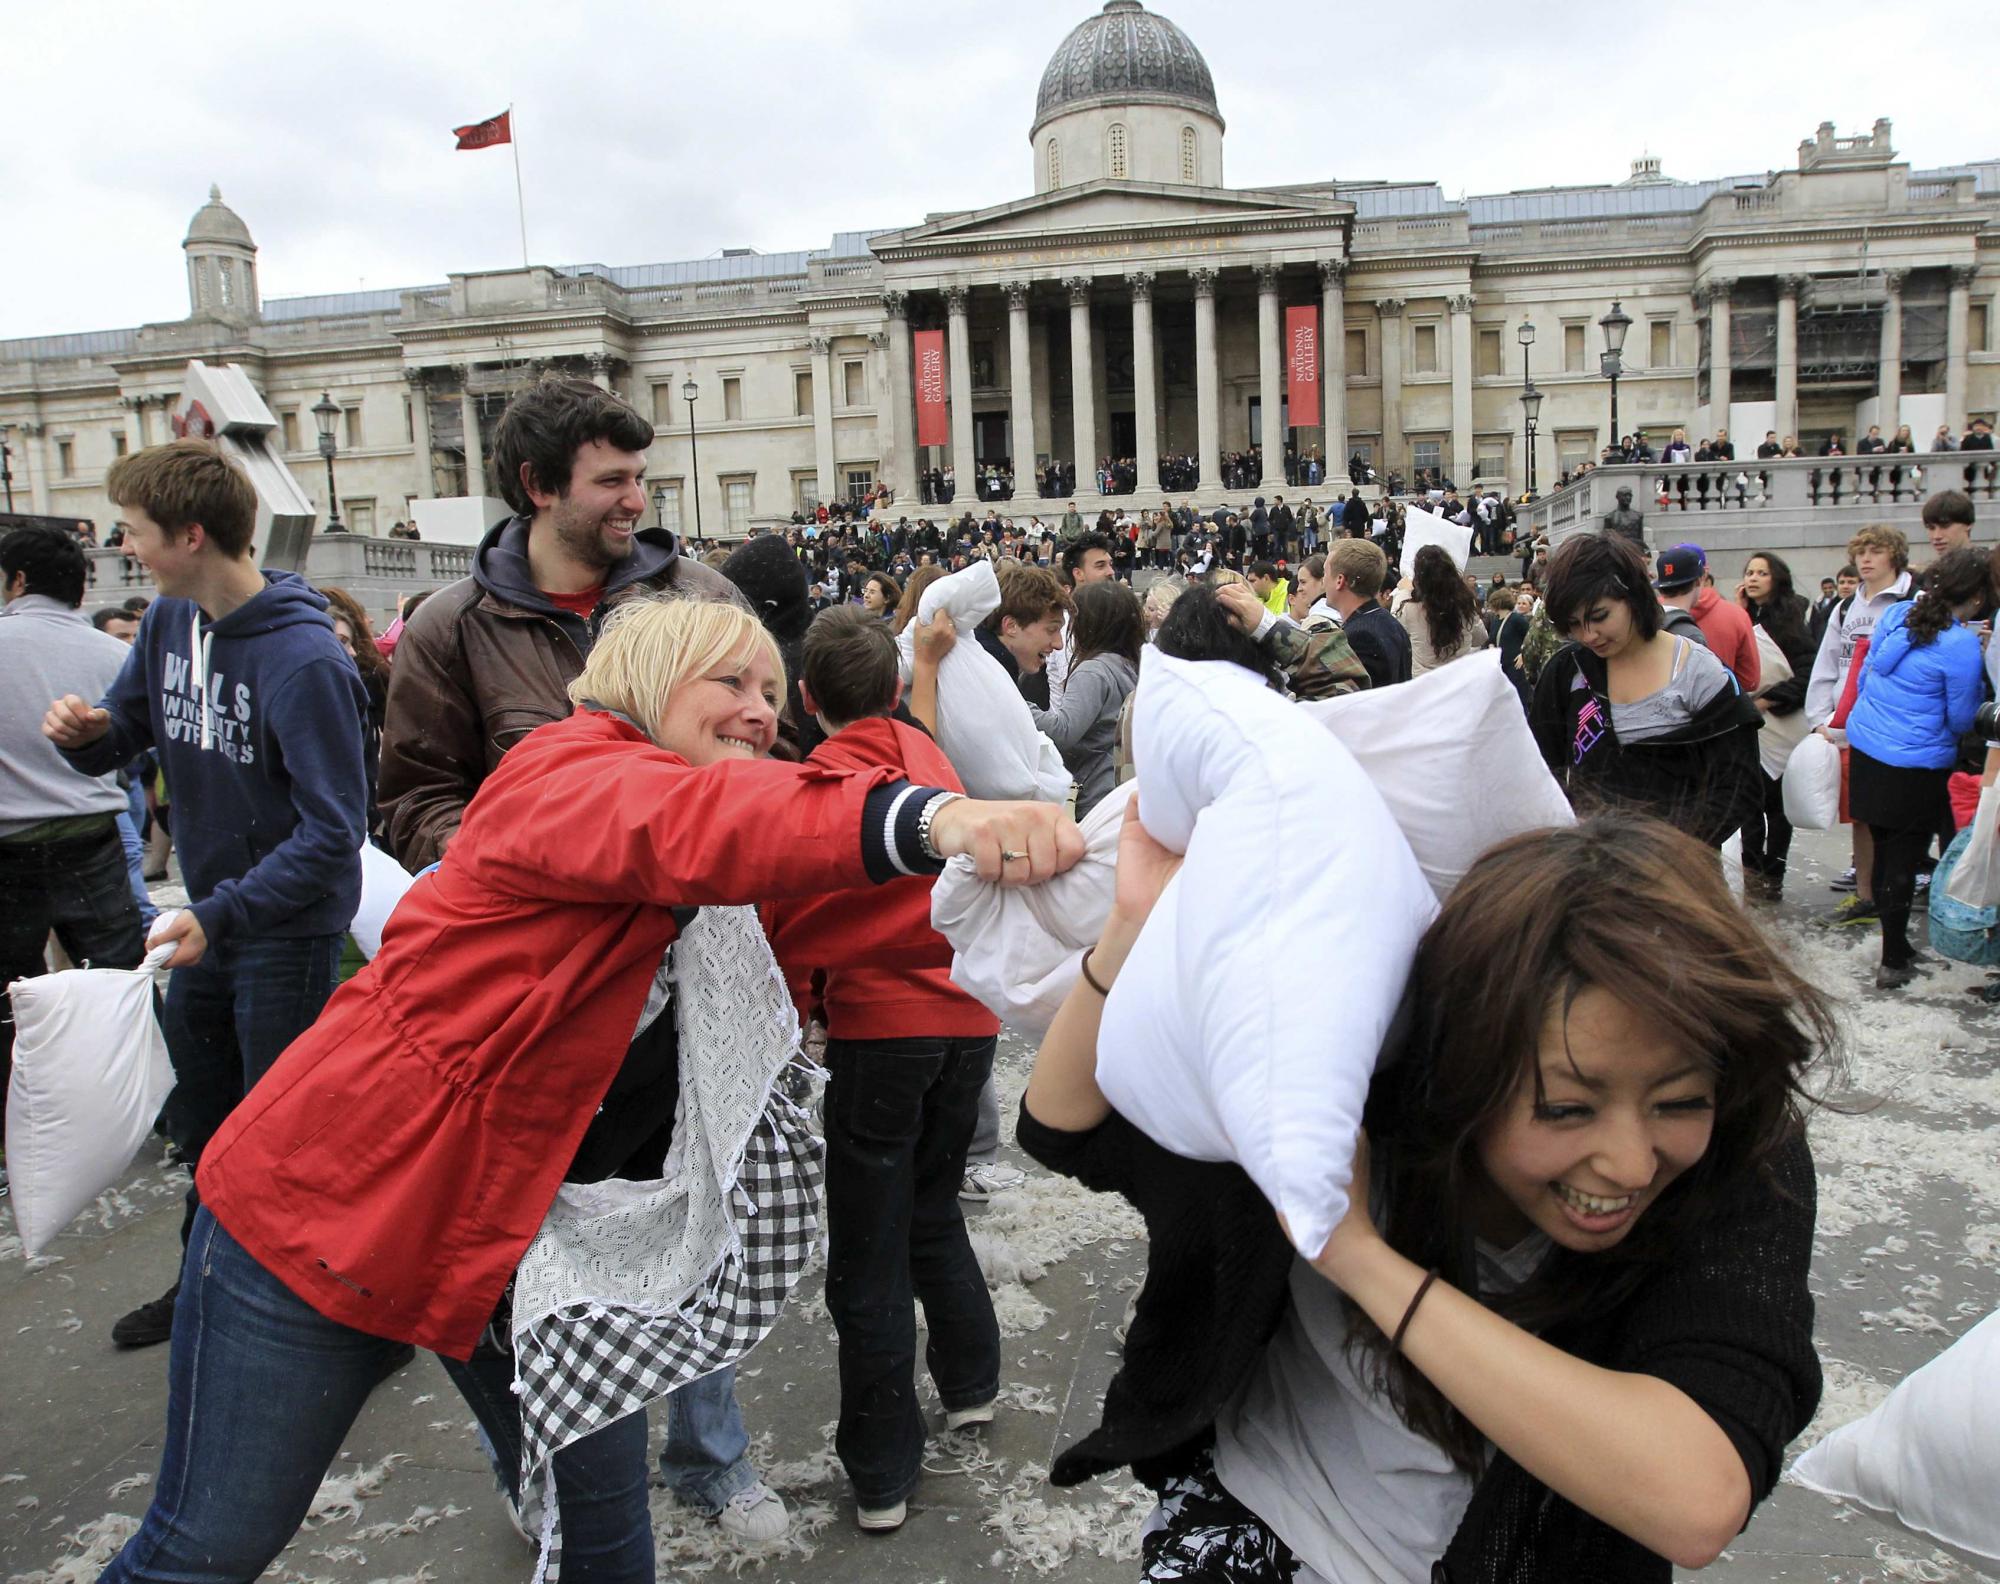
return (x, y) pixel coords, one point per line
(1302, 366)
(933, 426)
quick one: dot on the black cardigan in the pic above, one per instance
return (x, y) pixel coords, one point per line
(1730, 1324)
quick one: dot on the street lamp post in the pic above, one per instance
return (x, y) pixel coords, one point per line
(691, 393)
(1612, 363)
(1526, 336)
(7, 465)
(660, 506)
(324, 413)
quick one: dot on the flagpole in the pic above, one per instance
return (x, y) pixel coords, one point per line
(520, 203)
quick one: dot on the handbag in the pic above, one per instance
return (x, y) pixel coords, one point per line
(1959, 930)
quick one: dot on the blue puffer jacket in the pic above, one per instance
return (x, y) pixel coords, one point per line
(1916, 700)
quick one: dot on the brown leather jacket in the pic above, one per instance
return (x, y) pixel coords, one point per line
(484, 662)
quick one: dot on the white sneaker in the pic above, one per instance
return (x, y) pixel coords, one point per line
(987, 1178)
(881, 1520)
(526, 1518)
(977, 1414)
(757, 1513)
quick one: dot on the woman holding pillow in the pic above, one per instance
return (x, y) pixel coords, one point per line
(1566, 1331)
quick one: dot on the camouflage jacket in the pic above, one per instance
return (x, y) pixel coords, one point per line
(1317, 660)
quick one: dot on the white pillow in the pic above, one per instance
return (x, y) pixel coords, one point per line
(90, 1075)
(383, 882)
(1292, 858)
(1812, 784)
(1928, 1456)
(1016, 948)
(1452, 756)
(984, 726)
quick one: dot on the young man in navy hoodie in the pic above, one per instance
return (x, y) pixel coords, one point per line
(238, 684)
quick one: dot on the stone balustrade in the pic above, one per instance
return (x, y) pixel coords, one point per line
(377, 571)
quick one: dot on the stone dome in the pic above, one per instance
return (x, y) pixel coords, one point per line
(1125, 55)
(215, 221)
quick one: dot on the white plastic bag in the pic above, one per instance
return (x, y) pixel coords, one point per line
(1976, 880)
(1194, 1049)
(984, 726)
(1781, 733)
(383, 882)
(90, 1075)
(1812, 784)
(1928, 1456)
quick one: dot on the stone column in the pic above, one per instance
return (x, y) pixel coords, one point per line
(1889, 374)
(600, 370)
(1207, 409)
(1389, 313)
(900, 447)
(1789, 287)
(964, 465)
(420, 416)
(1270, 380)
(883, 399)
(1021, 390)
(1719, 359)
(36, 455)
(822, 378)
(1333, 366)
(135, 427)
(1145, 380)
(1958, 323)
(1082, 381)
(475, 451)
(1462, 459)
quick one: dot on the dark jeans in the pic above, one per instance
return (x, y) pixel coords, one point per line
(79, 890)
(1767, 836)
(899, 1116)
(228, 1018)
(261, 1391)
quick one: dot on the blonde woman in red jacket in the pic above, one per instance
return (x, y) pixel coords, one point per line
(385, 1178)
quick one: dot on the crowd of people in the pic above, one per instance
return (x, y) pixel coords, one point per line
(1564, 1330)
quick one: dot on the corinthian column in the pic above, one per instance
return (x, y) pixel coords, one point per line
(963, 467)
(1270, 379)
(1083, 392)
(902, 397)
(1020, 390)
(1333, 364)
(1789, 287)
(1145, 380)
(1207, 412)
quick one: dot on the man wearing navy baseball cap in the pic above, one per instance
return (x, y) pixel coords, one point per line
(1725, 625)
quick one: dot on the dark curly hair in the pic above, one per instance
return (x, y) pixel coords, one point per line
(543, 427)
(1948, 582)
(1450, 611)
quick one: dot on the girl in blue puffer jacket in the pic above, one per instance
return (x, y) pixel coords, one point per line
(1923, 683)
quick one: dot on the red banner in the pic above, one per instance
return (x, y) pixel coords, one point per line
(486, 134)
(1302, 366)
(933, 426)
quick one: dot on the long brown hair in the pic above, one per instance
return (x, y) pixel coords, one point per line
(1635, 908)
(913, 592)
(366, 656)
(1450, 611)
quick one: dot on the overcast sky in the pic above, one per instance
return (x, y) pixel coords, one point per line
(666, 131)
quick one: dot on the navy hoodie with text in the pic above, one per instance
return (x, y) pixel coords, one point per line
(256, 719)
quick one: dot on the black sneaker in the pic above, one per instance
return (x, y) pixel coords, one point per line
(148, 1324)
(1844, 883)
(1888, 978)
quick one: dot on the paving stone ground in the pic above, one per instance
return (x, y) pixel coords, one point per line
(1909, 1227)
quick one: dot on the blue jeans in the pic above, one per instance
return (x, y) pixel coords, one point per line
(261, 1391)
(899, 1117)
(706, 1457)
(131, 828)
(228, 1018)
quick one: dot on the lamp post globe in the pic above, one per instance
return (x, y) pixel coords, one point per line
(691, 393)
(325, 411)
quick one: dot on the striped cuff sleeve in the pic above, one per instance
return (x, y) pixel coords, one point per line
(889, 845)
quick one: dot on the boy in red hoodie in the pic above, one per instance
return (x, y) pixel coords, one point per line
(907, 1053)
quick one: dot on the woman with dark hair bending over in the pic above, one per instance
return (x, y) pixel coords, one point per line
(1629, 715)
(1439, 613)
(1564, 1332)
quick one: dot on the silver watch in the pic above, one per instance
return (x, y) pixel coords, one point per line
(924, 821)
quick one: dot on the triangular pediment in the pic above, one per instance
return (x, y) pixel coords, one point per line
(1116, 205)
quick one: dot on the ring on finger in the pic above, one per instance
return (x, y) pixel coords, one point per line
(1009, 857)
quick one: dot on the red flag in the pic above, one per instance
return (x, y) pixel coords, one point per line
(486, 134)
(933, 427)
(1302, 366)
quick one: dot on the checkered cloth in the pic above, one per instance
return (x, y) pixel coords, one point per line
(632, 1289)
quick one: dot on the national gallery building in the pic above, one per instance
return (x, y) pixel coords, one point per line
(1133, 305)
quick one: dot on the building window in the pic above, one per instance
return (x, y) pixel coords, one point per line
(805, 491)
(227, 273)
(852, 393)
(802, 393)
(1490, 460)
(1661, 353)
(288, 426)
(736, 506)
(1357, 354)
(409, 421)
(1055, 163)
(1489, 354)
(1190, 164)
(664, 411)
(1362, 449)
(1115, 157)
(1424, 359)
(732, 400)
(1975, 328)
(351, 425)
(1572, 349)
(1575, 449)
(359, 515)
(1426, 455)
(66, 458)
(667, 506)
(117, 443)
(859, 482)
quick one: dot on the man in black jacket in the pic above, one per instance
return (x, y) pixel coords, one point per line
(1355, 569)
(1354, 516)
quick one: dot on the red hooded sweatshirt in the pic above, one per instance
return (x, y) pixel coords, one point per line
(1726, 626)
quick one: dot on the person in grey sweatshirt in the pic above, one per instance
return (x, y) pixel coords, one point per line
(1107, 633)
